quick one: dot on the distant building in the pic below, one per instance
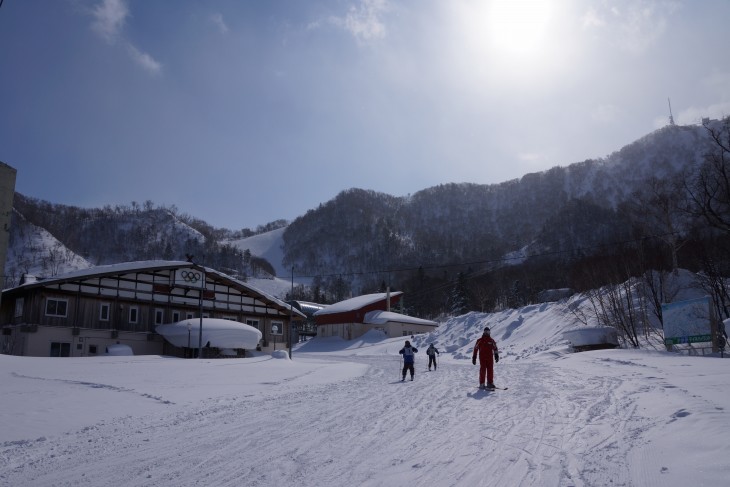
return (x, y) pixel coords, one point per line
(7, 191)
(354, 317)
(82, 313)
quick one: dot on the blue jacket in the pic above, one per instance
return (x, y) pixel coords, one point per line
(407, 353)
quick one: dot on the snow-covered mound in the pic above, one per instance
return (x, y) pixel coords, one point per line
(216, 333)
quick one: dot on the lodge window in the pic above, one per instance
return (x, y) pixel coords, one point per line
(56, 307)
(19, 307)
(133, 314)
(60, 349)
(254, 323)
(104, 310)
(175, 316)
(188, 315)
(159, 316)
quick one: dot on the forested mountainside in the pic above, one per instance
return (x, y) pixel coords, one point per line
(488, 245)
(80, 237)
(452, 223)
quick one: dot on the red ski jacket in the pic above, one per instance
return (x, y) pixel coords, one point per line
(485, 347)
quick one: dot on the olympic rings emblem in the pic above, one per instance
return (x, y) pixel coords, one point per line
(190, 276)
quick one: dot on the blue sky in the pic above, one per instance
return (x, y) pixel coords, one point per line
(243, 112)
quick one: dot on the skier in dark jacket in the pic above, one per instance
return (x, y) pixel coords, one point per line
(487, 350)
(432, 352)
(408, 359)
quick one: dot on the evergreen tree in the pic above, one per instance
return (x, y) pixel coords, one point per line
(459, 299)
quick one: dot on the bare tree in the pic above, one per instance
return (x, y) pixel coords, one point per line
(658, 211)
(710, 190)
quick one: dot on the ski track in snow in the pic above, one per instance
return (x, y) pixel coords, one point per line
(552, 427)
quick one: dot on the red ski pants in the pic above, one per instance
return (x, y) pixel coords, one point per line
(486, 367)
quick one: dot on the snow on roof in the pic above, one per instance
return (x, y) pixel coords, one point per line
(153, 264)
(382, 317)
(355, 303)
(112, 269)
(216, 332)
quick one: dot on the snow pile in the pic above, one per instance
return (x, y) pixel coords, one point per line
(216, 333)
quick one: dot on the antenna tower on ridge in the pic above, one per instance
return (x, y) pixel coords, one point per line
(671, 118)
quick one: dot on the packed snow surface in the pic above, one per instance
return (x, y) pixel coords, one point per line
(337, 414)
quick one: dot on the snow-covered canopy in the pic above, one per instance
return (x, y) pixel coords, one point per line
(383, 317)
(216, 333)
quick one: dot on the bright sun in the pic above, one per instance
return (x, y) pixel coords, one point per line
(518, 27)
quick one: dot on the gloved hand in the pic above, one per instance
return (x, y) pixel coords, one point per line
(474, 361)
(496, 357)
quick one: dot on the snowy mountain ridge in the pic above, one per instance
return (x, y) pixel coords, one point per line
(358, 234)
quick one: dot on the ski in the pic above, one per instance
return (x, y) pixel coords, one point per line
(493, 388)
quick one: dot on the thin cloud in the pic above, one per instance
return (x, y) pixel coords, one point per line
(109, 17)
(217, 20)
(144, 60)
(636, 25)
(363, 21)
(695, 114)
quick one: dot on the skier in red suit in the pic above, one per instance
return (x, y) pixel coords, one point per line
(487, 350)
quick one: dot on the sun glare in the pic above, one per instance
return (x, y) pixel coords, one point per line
(518, 27)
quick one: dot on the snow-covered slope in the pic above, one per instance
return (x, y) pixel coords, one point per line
(34, 251)
(338, 414)
(267, 245)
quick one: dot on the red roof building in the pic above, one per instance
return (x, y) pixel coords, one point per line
(354, 317)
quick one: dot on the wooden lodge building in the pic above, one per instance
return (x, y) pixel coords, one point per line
(81, 313)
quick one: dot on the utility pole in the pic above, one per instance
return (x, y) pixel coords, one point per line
(291, 311)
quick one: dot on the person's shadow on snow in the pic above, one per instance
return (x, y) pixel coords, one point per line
(479, 394)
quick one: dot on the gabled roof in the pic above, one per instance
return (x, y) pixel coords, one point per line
(356, 303)
(150, 266)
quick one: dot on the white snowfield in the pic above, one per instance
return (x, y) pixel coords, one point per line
(337, 414)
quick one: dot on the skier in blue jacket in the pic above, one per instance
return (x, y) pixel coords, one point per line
(408, 359)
